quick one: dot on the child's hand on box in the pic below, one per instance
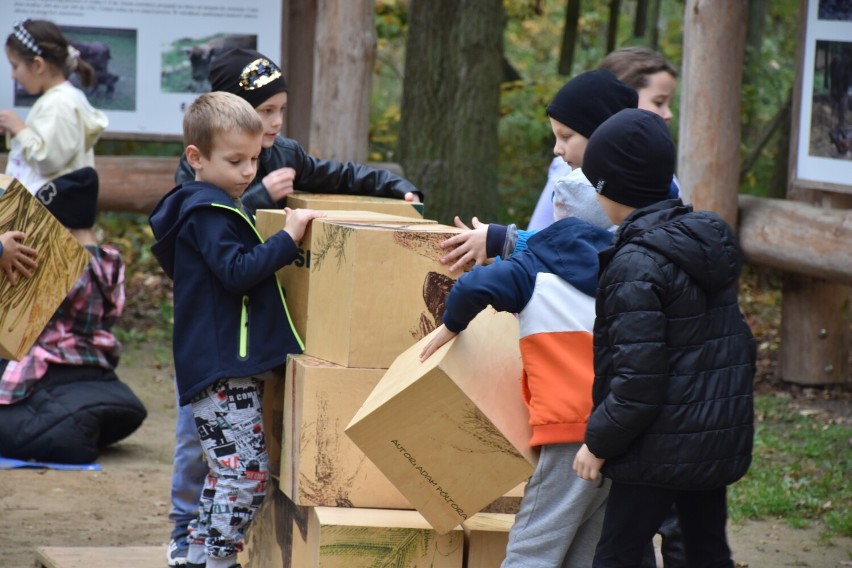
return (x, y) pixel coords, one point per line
(297, 221)
(16, 257)
(442, 337)
(468, 247)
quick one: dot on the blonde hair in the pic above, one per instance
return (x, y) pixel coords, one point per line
(217, 113)
(633, 65)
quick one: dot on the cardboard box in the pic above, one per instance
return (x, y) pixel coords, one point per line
(486, 536)
(319, 464)
(451, 433)
(364, 538)
(334, 201)
(27, 307)
(375, 290)
(278, 527)
(295, 277)
(284, 535)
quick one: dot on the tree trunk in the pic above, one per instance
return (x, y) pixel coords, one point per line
(757, 12)
(640, 23)
(332, 49)
(451, 105)
(569, 37)
(709, 136)
(654, 23)
(612, 31)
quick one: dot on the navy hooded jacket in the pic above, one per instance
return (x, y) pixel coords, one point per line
(230, 318)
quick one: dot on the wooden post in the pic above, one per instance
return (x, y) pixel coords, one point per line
(331, 53)
(709, 137)
(816, 319)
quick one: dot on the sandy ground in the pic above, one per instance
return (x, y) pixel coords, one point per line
(127, 503)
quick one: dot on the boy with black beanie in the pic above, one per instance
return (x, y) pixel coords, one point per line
(284, 166)
(578, 108)
(674, 358)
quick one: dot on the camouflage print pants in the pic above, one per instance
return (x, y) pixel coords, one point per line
(230, 426)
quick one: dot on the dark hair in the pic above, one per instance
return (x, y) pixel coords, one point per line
(633, 65)
(51, 42)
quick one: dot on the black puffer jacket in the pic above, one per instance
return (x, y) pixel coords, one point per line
(312, 175)
(674, 358)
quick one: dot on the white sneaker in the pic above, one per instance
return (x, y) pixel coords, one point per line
(176, 554)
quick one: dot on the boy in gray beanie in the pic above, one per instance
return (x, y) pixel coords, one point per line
(674, 358)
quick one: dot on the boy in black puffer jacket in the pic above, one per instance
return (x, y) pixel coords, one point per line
(674, 358)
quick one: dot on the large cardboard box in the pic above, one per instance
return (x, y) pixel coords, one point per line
(365, 538)
(486, 536)
(375, 289)
(320, 466)
(294, 278)
(332, 201)
(451, 433)
(26, 307)
(284, 535)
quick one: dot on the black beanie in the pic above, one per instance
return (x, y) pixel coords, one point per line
(247, 74)
(72, 198)
(584, 102)
(630, 158)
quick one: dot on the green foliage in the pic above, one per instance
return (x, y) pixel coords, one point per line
(799, 470)
(533, 35)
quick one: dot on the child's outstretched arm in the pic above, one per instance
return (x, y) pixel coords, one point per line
(297, 221)
(586, 465)
(468, 247)
(440, 339)
(16, 257)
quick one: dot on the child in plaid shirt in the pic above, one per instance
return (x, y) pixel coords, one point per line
(62, 401)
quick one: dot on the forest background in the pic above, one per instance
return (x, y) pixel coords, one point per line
(802, 456)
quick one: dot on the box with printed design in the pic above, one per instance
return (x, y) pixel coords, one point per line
(27, 306)
(344, 201)
(451, 433)
(294, 278)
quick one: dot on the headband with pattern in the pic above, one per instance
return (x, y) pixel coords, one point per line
(24, 36)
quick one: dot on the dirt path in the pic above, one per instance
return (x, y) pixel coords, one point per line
(127, 503)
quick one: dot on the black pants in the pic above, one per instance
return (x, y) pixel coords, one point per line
(674, 555)
(634, 513)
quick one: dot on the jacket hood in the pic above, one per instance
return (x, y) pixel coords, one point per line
(572, 251)
(170, 213)
(701, 243)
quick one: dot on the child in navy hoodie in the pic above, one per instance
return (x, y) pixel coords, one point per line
(231, 325)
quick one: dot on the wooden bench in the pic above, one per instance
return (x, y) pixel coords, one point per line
(99, 557)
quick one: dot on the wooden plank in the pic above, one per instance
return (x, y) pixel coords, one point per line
(797, 237)
(136, 183)
(99, 557)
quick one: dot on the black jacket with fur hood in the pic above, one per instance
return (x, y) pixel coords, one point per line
(674, 357)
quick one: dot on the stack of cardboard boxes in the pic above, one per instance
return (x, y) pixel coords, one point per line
(367, 289)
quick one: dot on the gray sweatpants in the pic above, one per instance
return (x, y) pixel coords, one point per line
(560, 518)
